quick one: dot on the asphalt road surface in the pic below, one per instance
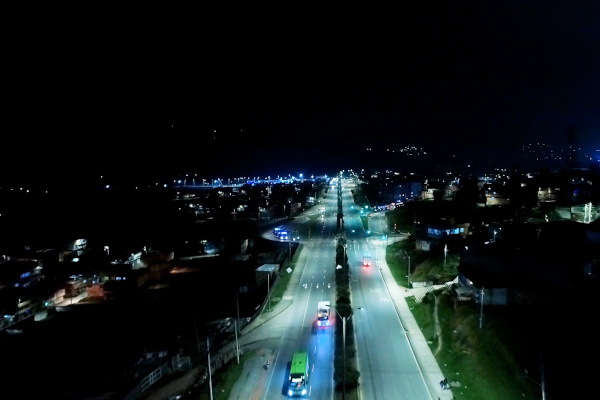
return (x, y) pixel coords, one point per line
(386, 362)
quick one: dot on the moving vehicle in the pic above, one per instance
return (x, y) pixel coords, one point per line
(283, 235)
(277, 230)
(367, 261)
(323, 313)
(298, 380)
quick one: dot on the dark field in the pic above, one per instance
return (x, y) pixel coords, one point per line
(71, 354)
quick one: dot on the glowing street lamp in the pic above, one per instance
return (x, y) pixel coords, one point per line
(344, 345)
(408, 276)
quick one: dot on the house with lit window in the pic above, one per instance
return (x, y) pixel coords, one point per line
(159, 264)
(433, 234)
(17, 304)
(530, 271)
(122, 280)
(496, 195)
(20, 272)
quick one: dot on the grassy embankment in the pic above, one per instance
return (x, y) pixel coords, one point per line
(224, 379)
(283, 281)
(483, 363)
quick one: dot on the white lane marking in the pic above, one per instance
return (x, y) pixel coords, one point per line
(271, 376)
(305, 309)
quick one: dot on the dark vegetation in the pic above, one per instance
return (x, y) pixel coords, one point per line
(348, 376)
(500, 355)
(503, 358)
(344, 308)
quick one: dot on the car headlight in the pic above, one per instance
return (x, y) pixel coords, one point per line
(303, 392)
(290, 392)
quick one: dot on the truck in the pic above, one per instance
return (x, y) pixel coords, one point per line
(323, 308)
(367, 261)
(298, 379)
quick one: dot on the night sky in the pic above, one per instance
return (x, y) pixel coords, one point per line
(303, 88)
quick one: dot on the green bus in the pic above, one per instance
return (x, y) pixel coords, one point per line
(298, 381)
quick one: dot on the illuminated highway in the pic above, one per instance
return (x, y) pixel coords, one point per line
(386, 362)
(295, 329)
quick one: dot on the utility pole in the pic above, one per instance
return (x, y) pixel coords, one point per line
(269, 290)
(543, 385)
(237, 345)
(481, 310)
(408, 276)
(209, 372)
(344, 346)
(446, 252)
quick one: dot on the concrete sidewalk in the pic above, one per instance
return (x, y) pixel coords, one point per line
(426, 360)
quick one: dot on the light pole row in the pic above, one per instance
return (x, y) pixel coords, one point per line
(344, 346)
(408, 275)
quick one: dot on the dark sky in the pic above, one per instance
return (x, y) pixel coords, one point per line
(304, 88)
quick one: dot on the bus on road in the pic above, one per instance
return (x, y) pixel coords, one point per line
(298, 380)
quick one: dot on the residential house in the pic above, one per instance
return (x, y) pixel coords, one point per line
(20, 272)
(431, 235)
(121, 280)
(528, 272)
(158, 264)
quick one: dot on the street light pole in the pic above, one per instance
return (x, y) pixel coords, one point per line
(408, 276)
(237, 345)
(269, 290)
(208, 354)
(481, 310)
(543, 385)
(209, 371)
(445, 252)
(344, 346)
